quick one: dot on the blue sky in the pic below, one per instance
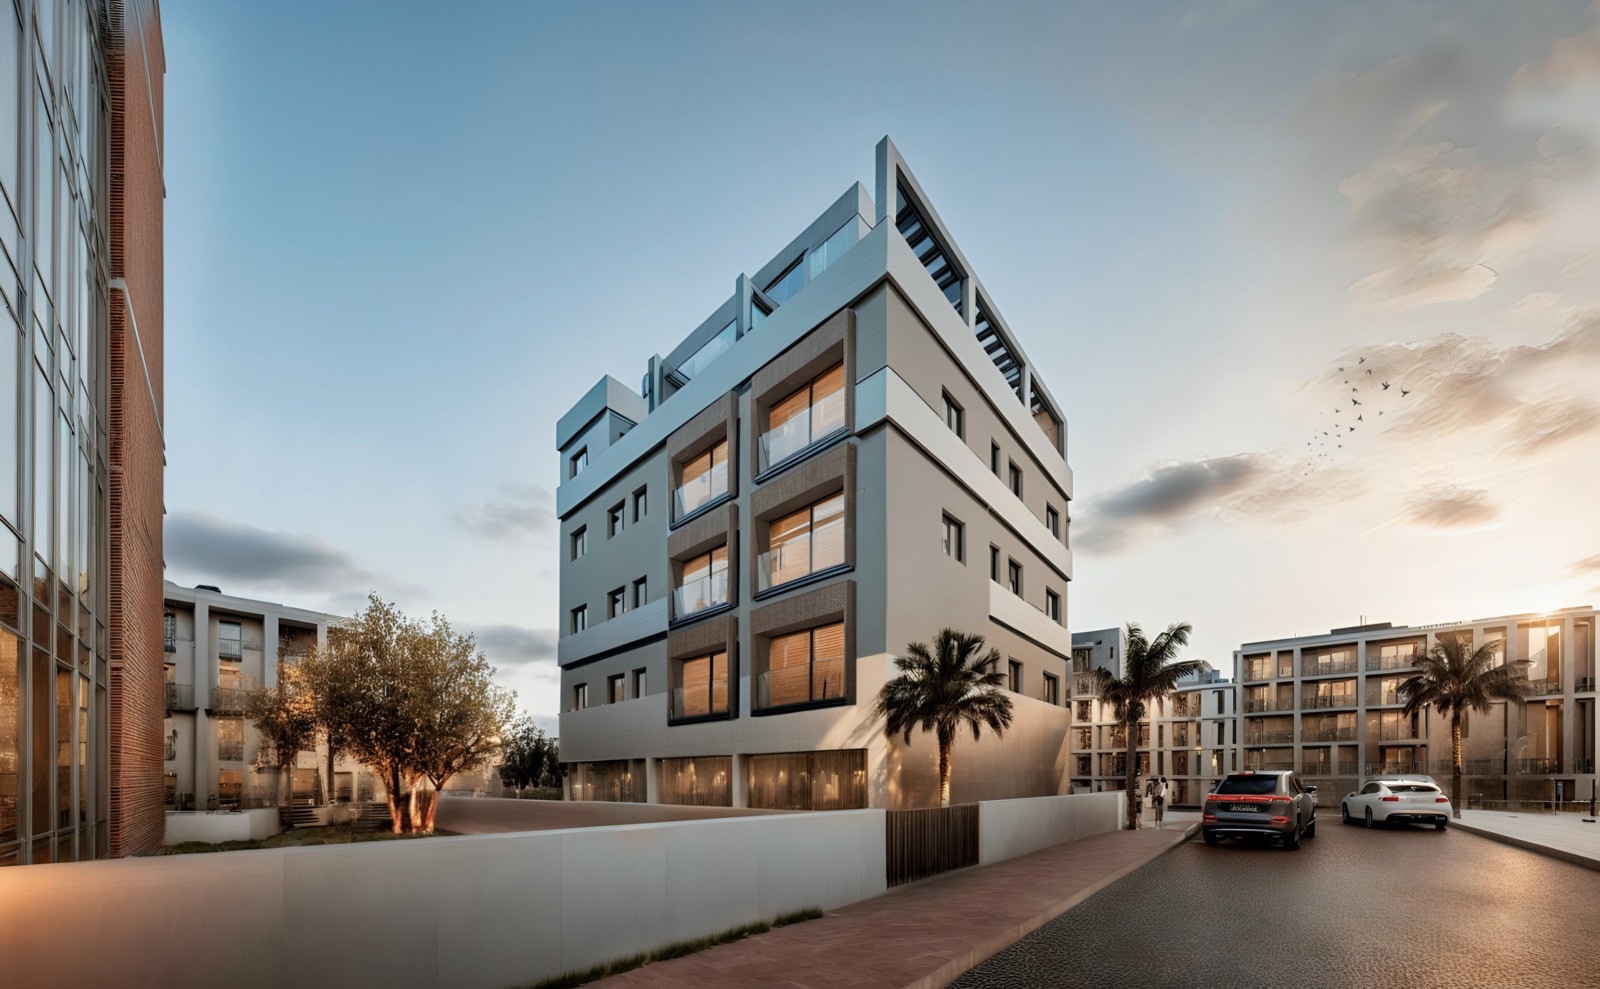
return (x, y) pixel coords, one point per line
(403, 238)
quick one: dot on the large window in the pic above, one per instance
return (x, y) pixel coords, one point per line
(709, 352)
(704, 585)
(829, 780)
(803, 543)
(1052, 521)
(787, 284)
(814, 411)
(230, 739)
(701, 687)
(580, 696)
(705, 479)
(230, 640)
(804, 667)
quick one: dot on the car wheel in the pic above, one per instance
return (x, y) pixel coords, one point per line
(1311, 829)
(1210, 838)
(1344, 814)
(1291, 841)
(1369, 817)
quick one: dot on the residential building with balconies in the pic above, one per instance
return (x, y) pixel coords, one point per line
(219, 648)
(850, 453)
(1189, 737)
(1330, 707)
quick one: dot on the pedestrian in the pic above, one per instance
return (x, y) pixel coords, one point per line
(1159, 792)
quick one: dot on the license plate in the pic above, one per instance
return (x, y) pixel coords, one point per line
(1243, 808)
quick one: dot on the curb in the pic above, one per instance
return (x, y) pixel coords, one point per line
(959, 966)
(1532, 846)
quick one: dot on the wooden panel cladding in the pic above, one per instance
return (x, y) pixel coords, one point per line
(828, 603)
(926, 842)
(830, 343)
(715, 528)
(716, 421)
(717, 635)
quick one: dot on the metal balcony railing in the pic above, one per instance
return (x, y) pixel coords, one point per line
(229, 700)
(1347, 734)
(1381, 698)
(1584, 685)
(1257, 704)
(230, 751)
(1395, 733)
(1269, 737)
(230, 648)
(169, 643)
(1539, 766)
(1255, 671)
(1326, 669)
(1268, 765)
(1311, 702)
(698, 595)
(1583, 765)
(180, 697)
(1403, 662)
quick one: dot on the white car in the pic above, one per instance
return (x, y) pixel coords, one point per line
(1410, 799)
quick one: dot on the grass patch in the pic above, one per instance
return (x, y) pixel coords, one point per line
(679, 949)
(337, 834)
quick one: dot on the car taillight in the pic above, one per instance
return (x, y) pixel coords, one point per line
(1390, 799)
(1209, 818)
(1280, 820)
(1441, 800)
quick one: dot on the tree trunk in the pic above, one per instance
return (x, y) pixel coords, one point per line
(947, 742)
(1455, 764)
(433, 804)
(328, 785)
(411, 808)
(1131, 770)
(391, 783)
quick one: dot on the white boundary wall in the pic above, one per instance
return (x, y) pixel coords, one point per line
(481, 910)
(1008, 828)
(215, 826)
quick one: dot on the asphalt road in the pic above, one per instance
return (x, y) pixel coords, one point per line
(1387, 907)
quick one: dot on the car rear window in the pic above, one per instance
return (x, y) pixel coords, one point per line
(1249, 784)
(1412, 788)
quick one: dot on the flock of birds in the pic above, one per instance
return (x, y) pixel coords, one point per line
(1324, 443)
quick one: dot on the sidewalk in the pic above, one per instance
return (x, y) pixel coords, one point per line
(923, 935)
(1562, 836)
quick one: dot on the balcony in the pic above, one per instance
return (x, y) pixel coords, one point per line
(1314, 702)
(230, 649)
(180, 697)
(230, 751)
(1270, 737)
(1258, 704)
(1268, 765)
(1404, 662)
(683, 707)
(795, 436)
(1180, 739)
(1085, 686)
(1328, 734)
(1583, 765)
(828, 689)
(1383, 698)
(1585, 685)
(1539, 688)
(1539, 766)
(693, 495)
(1253, 671)
(1395, 733)
(1329, 668)
(229, 700)
(703, 594)
(793, 562)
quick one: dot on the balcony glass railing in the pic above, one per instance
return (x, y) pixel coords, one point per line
(1316, 701)
(701, 491)
(1330, 667)
(1403, 661)
(1328, 734)
(793, 437)
(1271, 737)
(1392, 733)
(1378, 698)
(824, 687)
(1548, 685)
(1256, 671)
(710, 591)
(697, 703)
(1254, 704)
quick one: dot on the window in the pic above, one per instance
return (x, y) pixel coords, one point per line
(641, 592)
(230, 739)
(580, 618)
(994, 457)
(833, 248)
(1052, 521)
(707, 354)
(787, 284)
(580, 541)
(169, 632)
(230, 640)
(927, 249)
(615, 519)
(812, 412)
(1014, 577)
(758, 312)
(1015, 474)
(994, 563)
(641, 504)
(702, 686)
(1085, 713)
(803, 543)
(955, 416)
(705, 479)
(955, 540)
(1052, 689)
(577, 462)
(704, 585)
(616, 690)
(804, 667)
(580, 696)
(1052, 606)
(639, 682)
(616, 602)
(1014, 680)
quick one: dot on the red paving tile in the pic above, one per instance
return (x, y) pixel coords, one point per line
(923, 935)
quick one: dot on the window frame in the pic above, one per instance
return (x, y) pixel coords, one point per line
(1014, 478)
(616, 688)
(1052, 520)
(580, 696)
(1052, 605)
(1014, 576)
(955, 417)
(812, 700)
(710, 558)
(617, 602)
(579, 619)
(641, 592)
(578, 462)
(676, 681)
(579, 543)
(616, 519)
(641, 504)
(813, 571)
(815, 440)
(953, 525)
(1013, 675)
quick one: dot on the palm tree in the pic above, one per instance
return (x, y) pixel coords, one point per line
(942, 688)
(1456, 678)
(1148, 674)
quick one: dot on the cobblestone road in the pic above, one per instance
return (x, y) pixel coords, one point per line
(1387, 907)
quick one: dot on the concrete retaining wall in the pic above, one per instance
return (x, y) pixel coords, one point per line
(217, 826)
(1008, 828)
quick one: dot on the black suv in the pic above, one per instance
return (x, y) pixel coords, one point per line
(1263, 805)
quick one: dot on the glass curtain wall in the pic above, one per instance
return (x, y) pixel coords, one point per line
(809, 780)
(53, 670)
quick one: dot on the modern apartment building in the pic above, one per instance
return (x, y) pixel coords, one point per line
(81, 447)
(851, 452)
(1190, 738)
(1328, 706)
(218, 648)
